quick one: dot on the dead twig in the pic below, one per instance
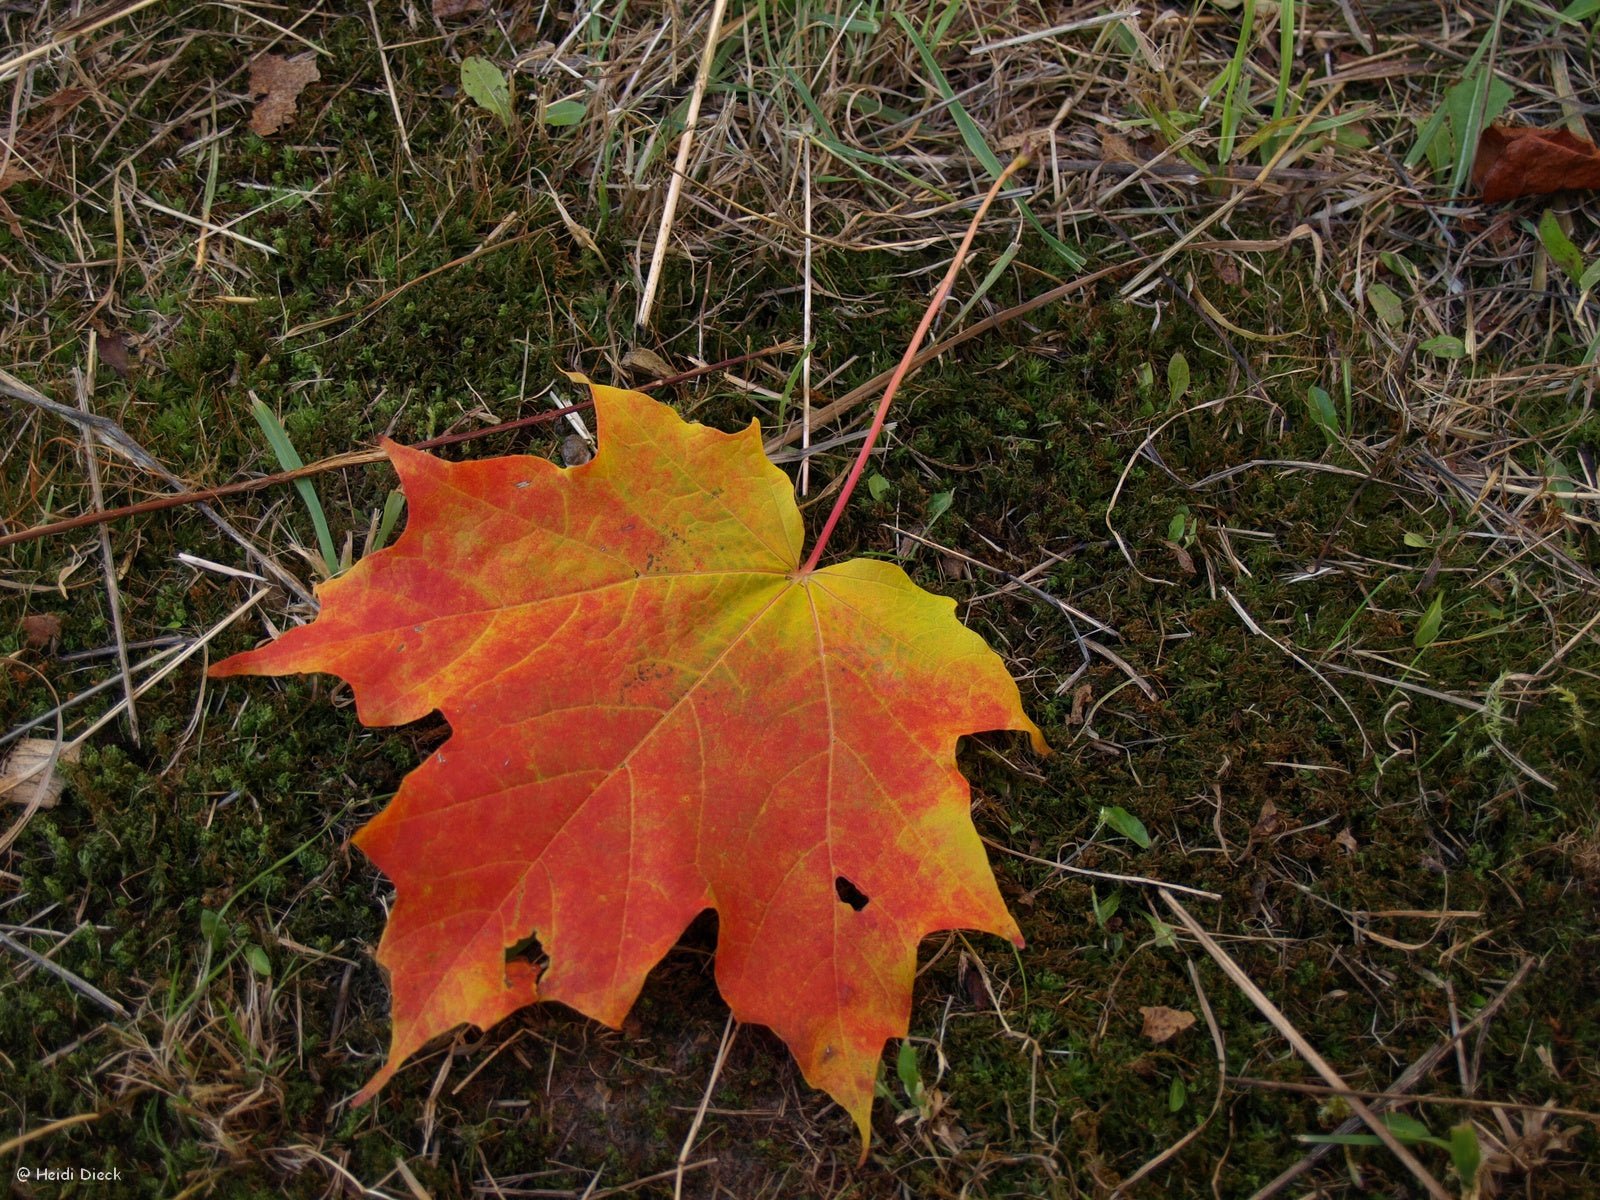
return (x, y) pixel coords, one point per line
(353, 458)
(114, 436)
(82, 986)
(1319, 1089)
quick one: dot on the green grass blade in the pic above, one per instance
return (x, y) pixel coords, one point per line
(823, 136)
(393, 506)
(1467, 137)
(289, 460)
(1234, 72)
(1285, 56)
(973, 137)
(989, 280)
(1282, 103)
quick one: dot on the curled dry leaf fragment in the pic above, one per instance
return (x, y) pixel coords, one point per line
(1532, 162)
(647, 362)
(40, 629)
(279, 81)
(444, 9)
(27, 775)
(1162, 1024)
(1268, 822)
(1118, 149)
(112, 348)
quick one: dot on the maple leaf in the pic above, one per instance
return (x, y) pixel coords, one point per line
(655, 710)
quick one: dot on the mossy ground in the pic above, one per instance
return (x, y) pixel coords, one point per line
(1313, 802)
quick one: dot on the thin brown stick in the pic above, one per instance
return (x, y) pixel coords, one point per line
(116, 438)
(872, 386)
(1304, 1048)
(352, 458)
(830, 412)
(201, 496)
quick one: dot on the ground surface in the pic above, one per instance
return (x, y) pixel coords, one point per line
(1325, 474)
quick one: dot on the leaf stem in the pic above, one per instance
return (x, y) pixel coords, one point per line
(905, 361)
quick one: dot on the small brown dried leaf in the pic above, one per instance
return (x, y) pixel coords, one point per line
(279, 82)
(113, 350)
(40, 629)
(15, 172)
(1162, 1024)
(1532, 162)
(445, 9)
(1118, 149)
(648, 362)
(22, 772)
(1185, 559)
(1080, 700)
(1268, 822)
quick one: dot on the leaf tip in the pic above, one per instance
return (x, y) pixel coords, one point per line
(863, 1119)
(373, 1086)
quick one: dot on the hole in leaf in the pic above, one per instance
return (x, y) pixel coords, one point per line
(850, 894)
(529, 951)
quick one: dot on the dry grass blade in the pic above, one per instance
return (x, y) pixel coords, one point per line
(729, 1032)
(12, 1144)
(685, 144)
(107, 558)
(1315, 1089)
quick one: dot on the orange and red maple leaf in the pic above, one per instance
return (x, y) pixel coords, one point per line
(655, 711)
